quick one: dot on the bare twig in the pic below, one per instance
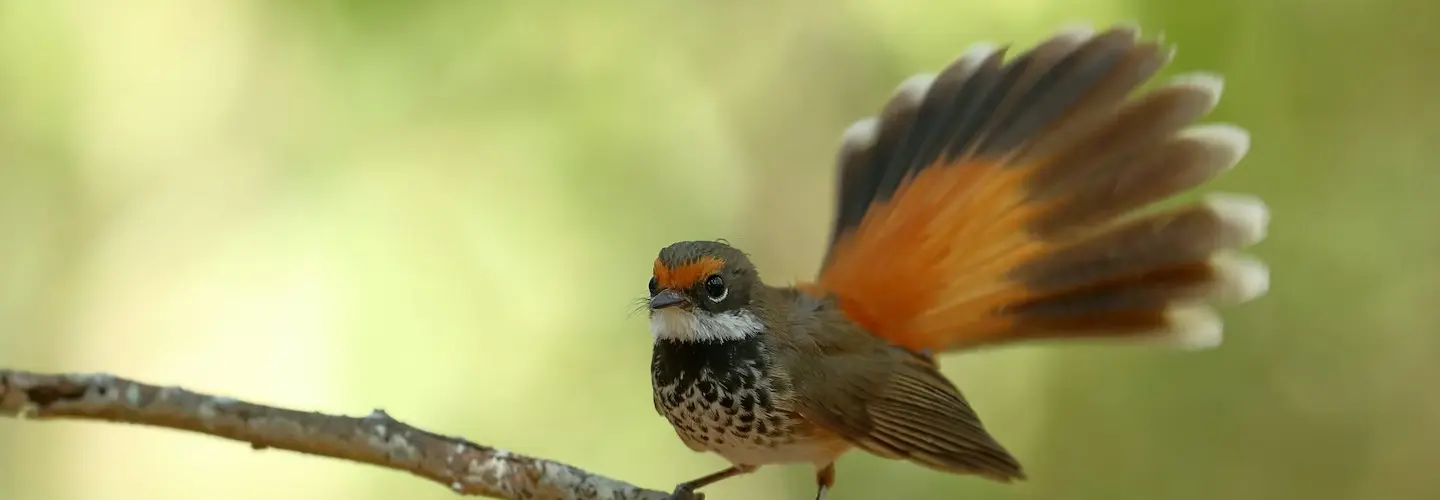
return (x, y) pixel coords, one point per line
(463, 466)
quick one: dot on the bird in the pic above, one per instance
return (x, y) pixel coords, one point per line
(999, 201)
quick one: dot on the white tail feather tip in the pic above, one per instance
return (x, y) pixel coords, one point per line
(1239, 278)
(1232, 139)
(977, 53)
(913, 89)
(1131, 26)
(1076, 31)
(1193, 328)
(1247, 214)
(1211, 83)
(860, 135)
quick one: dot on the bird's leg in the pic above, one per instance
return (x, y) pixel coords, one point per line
(686, 490)
(824, 479)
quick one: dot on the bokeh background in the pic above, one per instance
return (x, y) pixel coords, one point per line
(446, 209)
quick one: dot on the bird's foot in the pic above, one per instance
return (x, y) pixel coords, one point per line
(685, 491)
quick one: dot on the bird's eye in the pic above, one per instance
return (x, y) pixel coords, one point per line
(715, 288)
(654, 285)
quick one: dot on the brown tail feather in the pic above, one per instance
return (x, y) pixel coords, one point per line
(998, 202)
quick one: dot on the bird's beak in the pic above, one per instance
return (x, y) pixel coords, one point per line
(666, 298)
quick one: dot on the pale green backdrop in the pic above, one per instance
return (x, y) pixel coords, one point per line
(446, 209)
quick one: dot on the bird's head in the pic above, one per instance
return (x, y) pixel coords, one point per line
(701, 291)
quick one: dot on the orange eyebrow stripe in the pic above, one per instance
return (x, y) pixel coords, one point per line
(685, 275)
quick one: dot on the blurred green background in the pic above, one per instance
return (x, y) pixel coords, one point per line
(445, 209)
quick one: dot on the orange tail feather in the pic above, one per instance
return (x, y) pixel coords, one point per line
(999, 201)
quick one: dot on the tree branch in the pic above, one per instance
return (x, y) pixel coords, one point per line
(377, 439)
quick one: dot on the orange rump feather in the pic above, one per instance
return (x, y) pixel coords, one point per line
(1001, 201)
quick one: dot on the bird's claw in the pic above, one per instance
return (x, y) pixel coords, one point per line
(685, 492)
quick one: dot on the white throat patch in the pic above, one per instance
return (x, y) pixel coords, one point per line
(698, 325)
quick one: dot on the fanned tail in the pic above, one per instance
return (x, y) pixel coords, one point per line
(1000, 201)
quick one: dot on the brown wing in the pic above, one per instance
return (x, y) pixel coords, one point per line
(893, 403)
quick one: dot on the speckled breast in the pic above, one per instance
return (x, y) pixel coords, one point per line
(724, 397)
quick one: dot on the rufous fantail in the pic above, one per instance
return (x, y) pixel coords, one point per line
(996, 202)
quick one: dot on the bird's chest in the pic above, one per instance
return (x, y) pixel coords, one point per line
(728, 398)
